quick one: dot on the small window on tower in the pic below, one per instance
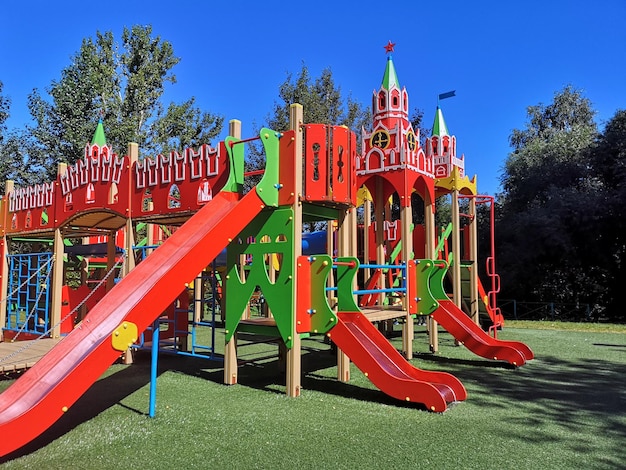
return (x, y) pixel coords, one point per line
(381, 100)
(435, 144)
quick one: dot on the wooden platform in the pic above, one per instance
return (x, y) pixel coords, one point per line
(21, 355)
(380, 314)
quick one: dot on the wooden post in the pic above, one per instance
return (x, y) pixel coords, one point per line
(431, 236)
(111, 261)
(4, 267)
(129, 238)
(294, 358)
(343, 249)
(408, 330)
(230, 349)
(57, 284)
(367, 222)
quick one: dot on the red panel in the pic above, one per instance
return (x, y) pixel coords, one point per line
(178, 182)
(316, 177)
(30, 208)
(419, 242)
(341, 158)
(97, 182)
(287, 149)
(352, 169)
(303, 296)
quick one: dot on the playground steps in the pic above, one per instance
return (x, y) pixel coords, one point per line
(22, 355)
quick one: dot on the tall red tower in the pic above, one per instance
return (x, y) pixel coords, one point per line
(393, 144)
(393, 162)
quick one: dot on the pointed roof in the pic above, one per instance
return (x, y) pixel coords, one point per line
(98, 136)
(390, 78)
(439, 126)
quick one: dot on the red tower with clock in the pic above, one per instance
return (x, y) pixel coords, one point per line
(394, 164)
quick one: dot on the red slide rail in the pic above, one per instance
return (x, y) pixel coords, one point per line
(386, 368)
(459, 325)
(46, 391)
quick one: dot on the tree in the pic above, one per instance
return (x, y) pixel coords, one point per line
(5, 105)
(608, 167)
(14, 161)
(546, 187)
(322, 102)
(124, 84)
(417, 121)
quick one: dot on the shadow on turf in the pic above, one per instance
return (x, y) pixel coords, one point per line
(546, 391)
(103, 394)
(552, 391)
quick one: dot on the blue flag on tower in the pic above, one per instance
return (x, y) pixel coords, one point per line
(448, 94)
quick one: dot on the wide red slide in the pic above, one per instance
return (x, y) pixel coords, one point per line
(461, 326)
(41, 396)
(386, 368)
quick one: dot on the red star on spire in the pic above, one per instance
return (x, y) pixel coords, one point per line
(389, 47)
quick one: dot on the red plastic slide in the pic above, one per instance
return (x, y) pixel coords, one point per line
(459, 325)
(376, 357)
(41, 396)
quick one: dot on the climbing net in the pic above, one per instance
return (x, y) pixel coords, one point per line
(118, 264)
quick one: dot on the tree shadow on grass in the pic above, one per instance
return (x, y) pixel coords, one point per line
(582, 397)
(429, 357)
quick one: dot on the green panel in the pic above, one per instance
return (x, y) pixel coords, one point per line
(427, 288)
(315, 212)
(277, 227)
(324, 318)
(234, 183)
(268, 187)
(346, 301)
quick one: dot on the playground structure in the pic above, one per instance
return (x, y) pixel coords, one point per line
(313, 172)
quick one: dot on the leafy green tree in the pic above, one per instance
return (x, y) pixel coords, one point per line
(15, 163)
(124, 84)
(546, 184)
(322, 102)
(607, 158)
(417, 121)
(5, 105)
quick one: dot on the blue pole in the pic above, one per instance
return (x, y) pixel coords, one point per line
(153, 368)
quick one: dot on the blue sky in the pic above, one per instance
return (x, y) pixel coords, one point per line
(499, 56)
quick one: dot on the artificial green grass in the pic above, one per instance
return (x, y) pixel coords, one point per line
(564, 410)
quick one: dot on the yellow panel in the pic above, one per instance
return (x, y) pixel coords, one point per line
(124, 336)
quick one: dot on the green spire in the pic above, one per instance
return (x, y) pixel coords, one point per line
(439, 126)
(390, 78)
(98, 136)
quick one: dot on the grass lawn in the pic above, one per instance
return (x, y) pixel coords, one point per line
(566, 409)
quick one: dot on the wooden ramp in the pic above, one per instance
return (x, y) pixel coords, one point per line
(21, 355)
